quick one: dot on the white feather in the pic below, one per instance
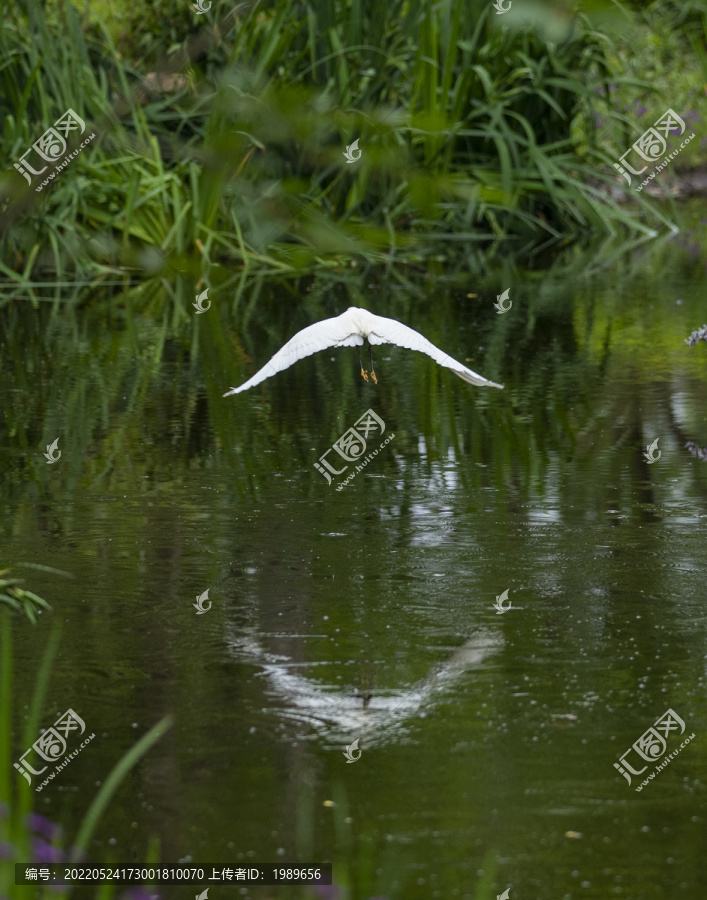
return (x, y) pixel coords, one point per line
(350, 329)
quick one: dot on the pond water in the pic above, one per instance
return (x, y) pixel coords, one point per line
(487, 740)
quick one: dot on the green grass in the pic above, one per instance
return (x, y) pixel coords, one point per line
(471, 130)
(15, 792)
(663, 46)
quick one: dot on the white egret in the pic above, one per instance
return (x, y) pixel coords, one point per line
(351, 329)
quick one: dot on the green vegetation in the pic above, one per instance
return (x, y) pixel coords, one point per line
(16, 795)
(19, 599)
(662, 45)
(220, 138)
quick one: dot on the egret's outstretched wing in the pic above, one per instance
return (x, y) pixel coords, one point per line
(335, 332)
(390, 331)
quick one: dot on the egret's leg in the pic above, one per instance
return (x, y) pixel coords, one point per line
(364, 373)
(373, 374)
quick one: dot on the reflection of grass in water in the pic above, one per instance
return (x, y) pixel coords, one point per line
(368, 866)
(106, 375)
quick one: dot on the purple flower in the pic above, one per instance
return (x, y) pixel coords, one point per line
(43, 853)
(699, 335)
(327, 891)
(641, 110)
(40, 825)
(7, 851)
(138, 893)
(699, 452)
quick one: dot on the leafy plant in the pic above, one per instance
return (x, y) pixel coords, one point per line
(17, 823)
(17, 598)
(231, 152)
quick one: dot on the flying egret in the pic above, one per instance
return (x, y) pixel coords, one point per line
(350, 329)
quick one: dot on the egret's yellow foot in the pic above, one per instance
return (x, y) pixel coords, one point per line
(373, 376)
(364, 374)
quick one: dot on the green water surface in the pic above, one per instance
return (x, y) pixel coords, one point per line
(488, 740)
